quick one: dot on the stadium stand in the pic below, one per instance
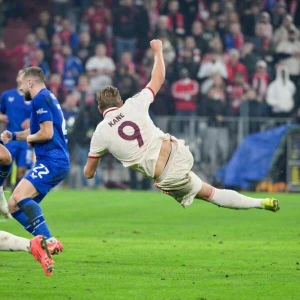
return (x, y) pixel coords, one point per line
(226, 63)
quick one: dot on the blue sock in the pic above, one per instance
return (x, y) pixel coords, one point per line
(35, 217)
(20, 216)
(4, 172)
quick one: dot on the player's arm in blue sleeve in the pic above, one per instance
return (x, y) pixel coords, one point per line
(45, 118)
(3, 117)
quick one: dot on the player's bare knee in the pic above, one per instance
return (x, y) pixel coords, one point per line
(205, 192)
(16, 197)
(12, 204)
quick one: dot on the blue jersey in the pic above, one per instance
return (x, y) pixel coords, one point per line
(45, 107)
(15, 108)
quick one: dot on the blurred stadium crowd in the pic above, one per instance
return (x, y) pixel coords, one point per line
(224, 58)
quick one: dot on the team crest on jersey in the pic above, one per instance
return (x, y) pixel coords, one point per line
(11, 99)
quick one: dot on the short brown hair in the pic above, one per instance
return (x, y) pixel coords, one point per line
(108, 97)
(34, 72)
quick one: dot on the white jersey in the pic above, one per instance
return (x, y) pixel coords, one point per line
(129, 134)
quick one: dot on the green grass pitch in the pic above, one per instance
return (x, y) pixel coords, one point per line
(143, 245)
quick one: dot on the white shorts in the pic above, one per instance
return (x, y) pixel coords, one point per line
(177, 179)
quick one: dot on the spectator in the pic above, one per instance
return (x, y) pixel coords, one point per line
(234, 38)
(216, 147)
(279, 14)
(249, 58)
(185, 92)
(40, 62)
(164, 103)
(127, 61)
(162, 30)
(143, 28)
(215, 9)
(290, 49)
(153, 13)
(72, 68)
(190, 44)
(216, 45)
(189, 8)
(210, 30)
(236, 91)
(186, 61)
(57, 63)
(85, 49)
(85, 93)
(24, 53)
(209, 68)
(98, 13)
(70, 110)
(262, 44)
(175, 18)
(125, 30)
(56, 87)
(253, 107)
(201, 42)
(43, 42)
(61, 7)
(45, 23)
(99, 37)
(266, 26)
(249, 18)
(235, 66)
(126, 80)
(282, 33)
(260, 80)
(203, 12)
(295, 11)
(57, 23)
(280, 94)
(67, 35)
(100, 69)
(84, 127)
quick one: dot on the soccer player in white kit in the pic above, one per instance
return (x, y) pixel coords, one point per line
(130, 135)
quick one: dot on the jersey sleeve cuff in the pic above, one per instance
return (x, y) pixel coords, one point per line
(147, 87)
(94, 156)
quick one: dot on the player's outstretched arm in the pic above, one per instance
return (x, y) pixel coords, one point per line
(91, 167)
(159, 71)
(7, 136)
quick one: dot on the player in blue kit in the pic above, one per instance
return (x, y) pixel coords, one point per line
(48, 136)
(15, 113)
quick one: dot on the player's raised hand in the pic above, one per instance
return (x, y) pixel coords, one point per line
(6, 136)
(156, 45)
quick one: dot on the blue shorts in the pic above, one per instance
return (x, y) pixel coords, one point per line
(44, 177)
(21, 154)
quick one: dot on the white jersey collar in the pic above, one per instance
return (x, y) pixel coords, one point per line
(109, 110)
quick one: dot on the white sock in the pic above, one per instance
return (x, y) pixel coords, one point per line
(3, 203)
(232, 199)
(10, 242)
